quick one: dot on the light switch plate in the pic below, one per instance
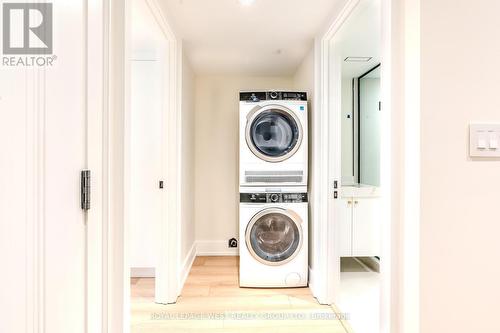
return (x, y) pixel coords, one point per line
(483, 140)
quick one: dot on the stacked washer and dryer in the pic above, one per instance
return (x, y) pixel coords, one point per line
(273, 225)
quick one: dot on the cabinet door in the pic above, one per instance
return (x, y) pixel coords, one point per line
(345, 229)
(366, 227)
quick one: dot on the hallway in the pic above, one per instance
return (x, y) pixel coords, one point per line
(212, 301)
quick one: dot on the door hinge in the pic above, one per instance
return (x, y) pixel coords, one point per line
(85, 189)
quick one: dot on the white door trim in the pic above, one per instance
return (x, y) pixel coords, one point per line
(112, 160)
(327, 165)
(169, 264)
(96, 95)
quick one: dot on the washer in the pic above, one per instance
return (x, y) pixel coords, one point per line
(273, 138)
(273, 238)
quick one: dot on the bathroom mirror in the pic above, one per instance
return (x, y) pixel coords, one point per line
(361, 112)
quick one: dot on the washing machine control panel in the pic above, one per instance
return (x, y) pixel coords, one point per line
(257, 96)
(273, 197)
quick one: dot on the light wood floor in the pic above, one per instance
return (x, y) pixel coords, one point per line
(212, 301)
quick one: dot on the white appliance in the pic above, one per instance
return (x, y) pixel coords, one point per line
(273, 138)
(273, 238)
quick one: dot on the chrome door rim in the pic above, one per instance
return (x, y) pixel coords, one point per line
(292, 215)
(256, 112)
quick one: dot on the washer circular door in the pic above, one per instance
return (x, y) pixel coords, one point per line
(274, 236)
(273, 133)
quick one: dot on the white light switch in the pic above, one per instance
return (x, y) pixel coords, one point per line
(493, 141)
(481, 141)
(484, 140)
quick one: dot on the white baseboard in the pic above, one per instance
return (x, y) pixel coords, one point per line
(186, 267)
(142, 272)
(215, 248)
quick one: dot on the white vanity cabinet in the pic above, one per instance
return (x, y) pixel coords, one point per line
(345, 226)
(359, 226)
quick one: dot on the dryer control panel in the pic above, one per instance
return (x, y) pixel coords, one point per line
(257, 96)
(273, 197)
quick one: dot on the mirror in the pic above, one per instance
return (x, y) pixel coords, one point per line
(361, 112)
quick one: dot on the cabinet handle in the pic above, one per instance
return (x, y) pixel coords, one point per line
(356, 202)
(349, 202)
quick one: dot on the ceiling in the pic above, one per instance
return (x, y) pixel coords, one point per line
(268, 37)
(361, 37)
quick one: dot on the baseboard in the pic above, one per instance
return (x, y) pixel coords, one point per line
(142, 272)
(215, 248)
(186, 267)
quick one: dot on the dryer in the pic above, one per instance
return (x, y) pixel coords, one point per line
(273, 235)
(273, 138)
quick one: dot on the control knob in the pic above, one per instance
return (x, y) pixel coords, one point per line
(274, 197)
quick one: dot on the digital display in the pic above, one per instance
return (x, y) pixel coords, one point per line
(273, 197)
(258, 96)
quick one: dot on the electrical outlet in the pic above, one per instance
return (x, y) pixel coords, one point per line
(232, 243)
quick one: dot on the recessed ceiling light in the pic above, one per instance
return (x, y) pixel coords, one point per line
(357, 59)
(246, 2)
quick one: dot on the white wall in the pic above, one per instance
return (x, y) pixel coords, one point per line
(347, 156)
(146, 136)
(188, 159)
(304, 80)
(460, 223)
(216, 155)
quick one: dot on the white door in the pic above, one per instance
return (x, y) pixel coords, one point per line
(366, 227)
(43, 148)
(146, 138)
(345, 226)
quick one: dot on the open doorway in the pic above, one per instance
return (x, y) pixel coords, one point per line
(204, 262)
(147, 137)
(352, 52)
(151, 203)
(358, 44)
(212, 296)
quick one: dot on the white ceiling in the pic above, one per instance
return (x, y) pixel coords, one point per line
(268, 37)
(361, 37)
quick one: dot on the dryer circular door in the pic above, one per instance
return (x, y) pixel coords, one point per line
(274, 236)
(273, 133)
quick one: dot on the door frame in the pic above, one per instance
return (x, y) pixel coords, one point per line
(400, 164)
(166, 275)
(326, 164)
(108, 272)
(97, 96)
(399, 310)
